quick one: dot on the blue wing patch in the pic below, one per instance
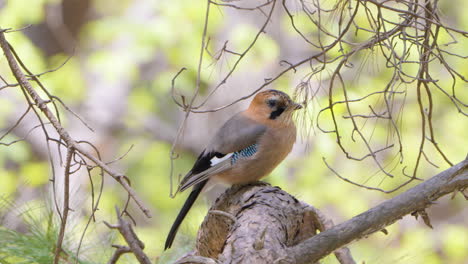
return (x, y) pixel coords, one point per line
(244, 153)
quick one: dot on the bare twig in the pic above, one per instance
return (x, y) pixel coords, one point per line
(135, 245)
(119, 251)
(66, 204)
(188, 107)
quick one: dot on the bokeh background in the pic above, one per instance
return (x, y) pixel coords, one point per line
(120, 59)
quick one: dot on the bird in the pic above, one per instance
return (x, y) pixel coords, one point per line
(245, 149)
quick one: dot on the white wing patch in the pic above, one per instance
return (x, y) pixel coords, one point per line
(216, 160)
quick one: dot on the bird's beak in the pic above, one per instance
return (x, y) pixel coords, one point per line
(296, 106)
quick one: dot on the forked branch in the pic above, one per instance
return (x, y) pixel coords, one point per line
(69, 142)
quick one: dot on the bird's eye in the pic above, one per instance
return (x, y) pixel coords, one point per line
(271, 102)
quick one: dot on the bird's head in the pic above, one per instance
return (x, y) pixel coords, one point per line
(273, 106)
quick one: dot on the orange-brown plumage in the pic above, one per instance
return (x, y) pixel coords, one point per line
(245, 149)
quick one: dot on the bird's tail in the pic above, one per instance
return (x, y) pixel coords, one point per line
(183, 212)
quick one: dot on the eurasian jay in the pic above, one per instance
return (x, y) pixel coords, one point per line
(246, 148)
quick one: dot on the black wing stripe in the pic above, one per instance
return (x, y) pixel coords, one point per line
(204, 161)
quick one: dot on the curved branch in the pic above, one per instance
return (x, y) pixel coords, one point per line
(413, 200)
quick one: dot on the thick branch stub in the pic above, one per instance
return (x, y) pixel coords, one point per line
(259, 222)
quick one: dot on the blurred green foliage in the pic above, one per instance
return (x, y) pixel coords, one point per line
(38, 243)
(174, 33)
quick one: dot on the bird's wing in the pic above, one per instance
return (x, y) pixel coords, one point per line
(237, 134)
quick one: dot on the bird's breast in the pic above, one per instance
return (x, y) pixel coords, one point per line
(272, 148)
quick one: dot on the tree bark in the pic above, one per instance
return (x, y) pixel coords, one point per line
(256, 223)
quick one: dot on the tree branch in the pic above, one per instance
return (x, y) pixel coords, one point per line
(135, 245)
(66, 205)
(257, 223)
(64, 135)
(413, 200)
